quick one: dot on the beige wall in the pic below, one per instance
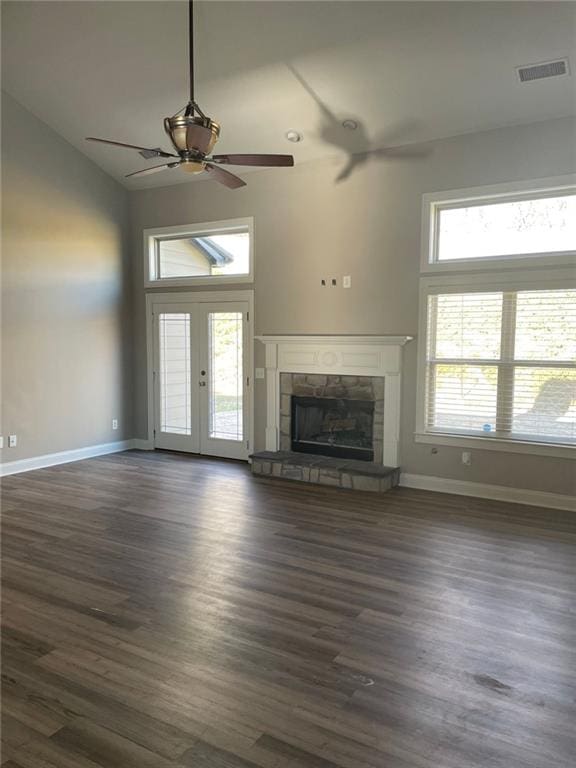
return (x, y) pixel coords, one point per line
(66, 357)
(308, 227)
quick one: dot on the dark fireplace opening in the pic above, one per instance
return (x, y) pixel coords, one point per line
(333, 427)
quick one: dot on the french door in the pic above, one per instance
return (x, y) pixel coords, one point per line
(200, 377)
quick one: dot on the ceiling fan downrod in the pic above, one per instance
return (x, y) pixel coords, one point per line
(192, 134)
(191, 106)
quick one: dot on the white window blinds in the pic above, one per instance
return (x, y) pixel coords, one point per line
(502, 364)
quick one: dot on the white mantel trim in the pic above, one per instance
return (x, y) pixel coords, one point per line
(336, 355)
(328, 339)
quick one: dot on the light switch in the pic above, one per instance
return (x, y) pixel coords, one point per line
(347, 281)
(12, 441)
(259, 373)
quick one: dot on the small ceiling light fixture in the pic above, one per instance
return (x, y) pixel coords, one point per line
(293, 136)
(351, 125)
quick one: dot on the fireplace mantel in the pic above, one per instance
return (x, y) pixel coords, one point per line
(347, 355)
(398, 341)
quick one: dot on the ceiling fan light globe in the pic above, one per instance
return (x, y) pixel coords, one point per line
(192, 134)
(192, 166)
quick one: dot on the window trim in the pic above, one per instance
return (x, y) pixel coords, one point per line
(534, 279)
(434, 202)
(150, 248)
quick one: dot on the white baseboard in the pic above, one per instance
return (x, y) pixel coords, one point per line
(484, 491)
(422, 482)
(142, 445)
(64, 457)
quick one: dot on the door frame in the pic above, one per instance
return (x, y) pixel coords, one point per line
(182, 297)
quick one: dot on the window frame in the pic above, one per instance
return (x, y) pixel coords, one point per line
(433, 203)
(518, 280)
(151, 239)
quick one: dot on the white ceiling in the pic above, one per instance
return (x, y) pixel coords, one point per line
(408, 71)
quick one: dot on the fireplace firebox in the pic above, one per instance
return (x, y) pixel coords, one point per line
(339, 427)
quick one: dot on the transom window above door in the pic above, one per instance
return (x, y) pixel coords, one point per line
(199, 254)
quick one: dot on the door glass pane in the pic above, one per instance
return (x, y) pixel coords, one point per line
(174, 373)
(226, 376)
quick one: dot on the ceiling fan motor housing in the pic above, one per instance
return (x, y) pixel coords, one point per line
(196, 135)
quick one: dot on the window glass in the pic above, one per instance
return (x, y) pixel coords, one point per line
(503, 364)
(467, 325)
(204, 256)
(476, 231)
(463, 397)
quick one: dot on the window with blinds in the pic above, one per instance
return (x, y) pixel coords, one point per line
(502, 364)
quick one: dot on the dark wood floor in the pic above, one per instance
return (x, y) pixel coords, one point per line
(164, 611)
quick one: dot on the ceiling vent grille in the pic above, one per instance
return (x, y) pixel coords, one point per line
(545, 69)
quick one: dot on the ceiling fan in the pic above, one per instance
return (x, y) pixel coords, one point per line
(194, 135)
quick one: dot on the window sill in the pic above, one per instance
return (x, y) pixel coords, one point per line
(190, 282)
(497, 444)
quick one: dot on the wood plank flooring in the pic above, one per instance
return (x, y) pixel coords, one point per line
(163, 611)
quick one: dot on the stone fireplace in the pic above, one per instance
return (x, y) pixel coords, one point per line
(329, 415)
(333, 410)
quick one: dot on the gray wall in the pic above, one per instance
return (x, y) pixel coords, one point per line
(308, 227)
(66, 357)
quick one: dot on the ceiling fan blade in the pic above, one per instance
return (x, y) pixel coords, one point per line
(156, 152)
(154, 169)
(225, 177)
(265, 160)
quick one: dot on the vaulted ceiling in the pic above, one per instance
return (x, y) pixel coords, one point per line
(407, 72)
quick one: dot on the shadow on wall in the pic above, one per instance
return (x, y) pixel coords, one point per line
(350, 136)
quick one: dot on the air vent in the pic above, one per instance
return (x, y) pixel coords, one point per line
(545, 69)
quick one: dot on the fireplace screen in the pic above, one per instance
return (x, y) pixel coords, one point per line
(333, 427)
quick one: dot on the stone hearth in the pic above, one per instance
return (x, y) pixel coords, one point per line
(325, 470)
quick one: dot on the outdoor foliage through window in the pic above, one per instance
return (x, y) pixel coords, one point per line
(476, 231)
(503, 364)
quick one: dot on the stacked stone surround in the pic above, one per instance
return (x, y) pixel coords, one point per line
(325, 470)
(369, 388)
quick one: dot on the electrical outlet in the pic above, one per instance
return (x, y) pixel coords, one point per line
(12, 441)
(347, 281)
(114, 423)
(466, 458)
